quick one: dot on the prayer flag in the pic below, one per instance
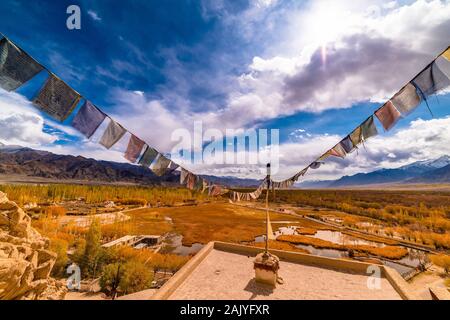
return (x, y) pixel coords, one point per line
(431, 80)
(315, 165)
(356, 136)
(388, 115)
(134, 148)
(446, 54)
(16, 66)
(190, 181)
(368, 128)
(149, 155)
(113, 133)
(347, 144)
(407, 99)
(172, 167)
(161, 165)
(88, 119)
(338, 151)
(183, 176)
(56, 98)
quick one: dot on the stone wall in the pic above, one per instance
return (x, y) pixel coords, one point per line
(25, 261)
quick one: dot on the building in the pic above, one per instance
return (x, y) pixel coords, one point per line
(138, 242)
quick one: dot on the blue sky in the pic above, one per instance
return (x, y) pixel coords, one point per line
(312, 69)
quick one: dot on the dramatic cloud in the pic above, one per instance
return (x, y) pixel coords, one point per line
(355, 56)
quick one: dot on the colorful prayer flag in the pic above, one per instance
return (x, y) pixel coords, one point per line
(446, 54)
(134, 148)
(388, 115)
(113, 133)
(56, 98)
(16, 66)
(88, 119)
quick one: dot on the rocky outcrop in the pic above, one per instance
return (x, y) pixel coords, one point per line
(25, 261)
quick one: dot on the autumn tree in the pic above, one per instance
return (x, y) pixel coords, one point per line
(60, 247)
(92, 251)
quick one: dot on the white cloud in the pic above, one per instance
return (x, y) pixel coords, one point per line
(421, 140)
(19, 123)
(94, 15)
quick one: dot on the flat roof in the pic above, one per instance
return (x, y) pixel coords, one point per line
(228, 275)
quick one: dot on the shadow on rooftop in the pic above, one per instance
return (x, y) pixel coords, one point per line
(258, 289)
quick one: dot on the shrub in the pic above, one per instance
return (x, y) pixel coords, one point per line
(55, 211)
(60, 247)
(441, 260)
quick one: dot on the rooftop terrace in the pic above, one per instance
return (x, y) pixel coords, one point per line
(225, 271)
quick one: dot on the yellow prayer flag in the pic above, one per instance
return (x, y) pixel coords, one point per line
(446, 54)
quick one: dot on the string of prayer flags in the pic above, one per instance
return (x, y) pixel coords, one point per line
(147, 158)
(134, 148)
(406, 100)
(161, 164)
(56, 98)
(88, 119)
(388, 115)
(368, 129)
(113, 133)
(16, 66)
(431, 80)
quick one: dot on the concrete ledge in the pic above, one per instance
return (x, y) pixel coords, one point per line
(399, 284)
(170, 286)
(297, 257)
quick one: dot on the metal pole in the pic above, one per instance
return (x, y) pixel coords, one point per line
(267, 208)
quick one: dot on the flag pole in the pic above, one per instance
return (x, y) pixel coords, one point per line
(267, 209)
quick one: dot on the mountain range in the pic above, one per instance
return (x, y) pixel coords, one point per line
(420, 172)
(28, 165)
